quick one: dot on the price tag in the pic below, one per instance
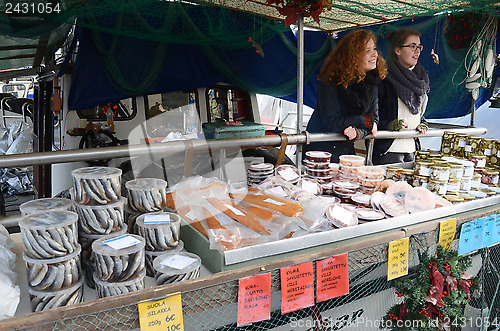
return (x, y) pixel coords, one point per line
(121, 242)
(447, 233)
(297, 287)
(309, 187)
(178, 261)
(489, 231)
(477, 234)
(156, 219)
(191, 215)
(234, 210)
(288, 174)
(164, 314)
(254, 299)
(465, 239)
(277, 190)
(397, 264)
(274, 202)
(332, 277)
(461, 143)
(468, 148)
(487, 152)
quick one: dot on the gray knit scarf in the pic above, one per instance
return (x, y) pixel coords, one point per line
(411, 86)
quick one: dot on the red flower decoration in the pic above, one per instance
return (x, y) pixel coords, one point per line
(293, 9)
(402, 311)
(465, 285)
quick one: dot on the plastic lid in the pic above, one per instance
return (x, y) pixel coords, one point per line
(258, 167)
(157, 219)
(54, 260)
(478, 194)
(96, 172)
(178, 248)
(146, 184)
(120, 203)
(50, 219)
(138, 278)
(176, 263)
(318, 154)
(120, 231)
(45, 204)
(118, 244)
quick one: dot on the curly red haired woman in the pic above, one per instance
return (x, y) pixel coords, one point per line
(347, 96)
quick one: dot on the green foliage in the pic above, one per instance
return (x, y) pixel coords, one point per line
(434, 295)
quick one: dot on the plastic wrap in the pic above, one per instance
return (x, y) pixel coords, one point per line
(16, 139)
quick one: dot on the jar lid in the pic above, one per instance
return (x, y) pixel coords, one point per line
(490, 172)
(455, 165)
(422, 177)
(440, 166)
(476, 156)
(440, 182)
(440, 161)
(454, 198)
(425, 162)
(394, 168)
(468, 196)
(407, 171)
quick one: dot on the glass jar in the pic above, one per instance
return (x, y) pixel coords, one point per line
(465, 184)
(456, 170)
(489, 177)
(447, 142)
(453, 185)
(422, 155)
(440, 172)
(406, 176)
(423, 168)
(421, 181)
(475, 181)
(478, 160)
(468, 168)
(437, 186)
(459, 144)
(393, 173)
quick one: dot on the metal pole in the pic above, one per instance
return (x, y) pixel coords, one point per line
(300, 85)
(163, 149)
(473, 113)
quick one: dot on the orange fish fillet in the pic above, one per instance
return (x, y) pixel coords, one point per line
(288, 208)
(238, 214)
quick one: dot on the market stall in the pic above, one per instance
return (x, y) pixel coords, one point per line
(211, 301)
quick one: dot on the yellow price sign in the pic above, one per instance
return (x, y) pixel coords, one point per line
(447, 233)
(397, 264)
(164, 314)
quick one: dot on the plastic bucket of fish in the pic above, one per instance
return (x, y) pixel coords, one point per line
(151, 255)
(161, 230)
(176, 267)
(147, 194)
(118, 258)
(53, 274)
(43, 300)
(88, 265)
(50, 234)
(45, 204)
(96, 185)
(107, 289)
(130, 219)
(101, 219)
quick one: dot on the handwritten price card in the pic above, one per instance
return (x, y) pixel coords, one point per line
(297, 287)
(397, 264)
(477, 234)
(254, 299)
(164, 314)
(447, 233)
(465, 238)
(332, 277)
(489, 235)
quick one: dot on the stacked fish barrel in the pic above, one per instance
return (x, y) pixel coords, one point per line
(147, 198)
(52, 258)
(100, 207)
(119, 264)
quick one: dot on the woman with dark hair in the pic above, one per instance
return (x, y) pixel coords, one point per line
(402, 98)
(347, 96)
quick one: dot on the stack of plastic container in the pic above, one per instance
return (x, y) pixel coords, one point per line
(100, 207)
(369, 177)
(144, 195)
(349, 165)
(258, 172)
(44, 205)
(52, 258)
(119, 264)
(176, 267)
(161, 232)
